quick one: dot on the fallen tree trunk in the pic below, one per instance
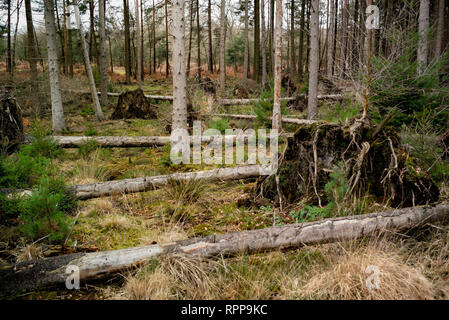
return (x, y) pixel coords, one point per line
(254, 117)
(228, 102)
(127, 141)
(34, 275)
(117, 94)
(95, 190)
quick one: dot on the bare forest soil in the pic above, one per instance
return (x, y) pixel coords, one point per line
(412, 266)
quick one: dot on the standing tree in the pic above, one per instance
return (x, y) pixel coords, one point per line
(276, 121)
(330, 31)
(154, 38)
(90, 75)
(167, 65)
(32, 52)
(262, 39)
(344, 37)
(440, 29)
(312, 107)
(245, 57)
(423, 43)
(103, 63)
(127, 43)
(67, 40)
(139, 44)
(189, 56)
(179, 118)
(301, 38)
(198, 40)
(292, 38)
(222, 45)
(8, 40)
(256, 61)
(209, 32)
(58, 122)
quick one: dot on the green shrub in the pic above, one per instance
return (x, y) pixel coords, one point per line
(43, 213)
(22, 171)
(91, 131)
(41, 144)
(219, 124)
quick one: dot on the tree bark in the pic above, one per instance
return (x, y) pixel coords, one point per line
(154, 38)
(8, 43)
(222, 45)
(32, 56)
(301, 39)
(276, 120)
(440, 29)
(127, 42)
(190, 38)
(34, 275)
(167, 65)
(93, 89)
(209, 32)
(263, 46)
(95, 190)
(330, 55)
(246, 53)
(103, 63)
(198, 44)
(256, 62)
(312, 107)
(423, 42)
(179, 118)
(139, 45)
(58, 122)
(292, 38)
(344, 38)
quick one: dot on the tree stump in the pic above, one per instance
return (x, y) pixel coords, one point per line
(134, 105)
(371, 159)
(11, 125)
(288, 85)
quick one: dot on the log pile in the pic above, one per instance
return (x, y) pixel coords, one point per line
(51, 272)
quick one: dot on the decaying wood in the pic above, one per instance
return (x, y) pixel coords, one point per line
(253, 117)
(11, 126)
(51, 272)
(95, 190)
(128, 141)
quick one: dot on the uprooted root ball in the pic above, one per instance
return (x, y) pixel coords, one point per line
(371, 156)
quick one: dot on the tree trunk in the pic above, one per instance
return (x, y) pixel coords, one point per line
(301, 39)
(61, 38)
(263, 46)
(330, 55)
(95, 190)
(190, 38)
(93, 89)
(68, 44)
(167, 65)
(209, 32)
(93, 38)
(32, 56)
(292, 38)
(103, 62)
(198, 40)
(440, 29)
(127, 42)
(344, 38)
(222, 45)
(8, 43)
(423, 42)
(58, 122)
(139, 44)
(276, 121)
(272, 37)
(246, 53)
(179, 118)
(312, 107)
(256, 62)
(154, 38)
(35, 275)
(142, 59)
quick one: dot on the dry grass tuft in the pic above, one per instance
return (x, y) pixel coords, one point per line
(154, 286)
(185, 191)
(117, 222)
(352, 277)
(28, 253)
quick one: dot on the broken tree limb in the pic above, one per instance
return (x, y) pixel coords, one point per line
(54, 271)
(95, 190)
(254, 117)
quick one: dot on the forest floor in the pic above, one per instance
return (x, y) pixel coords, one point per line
(411, 267)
